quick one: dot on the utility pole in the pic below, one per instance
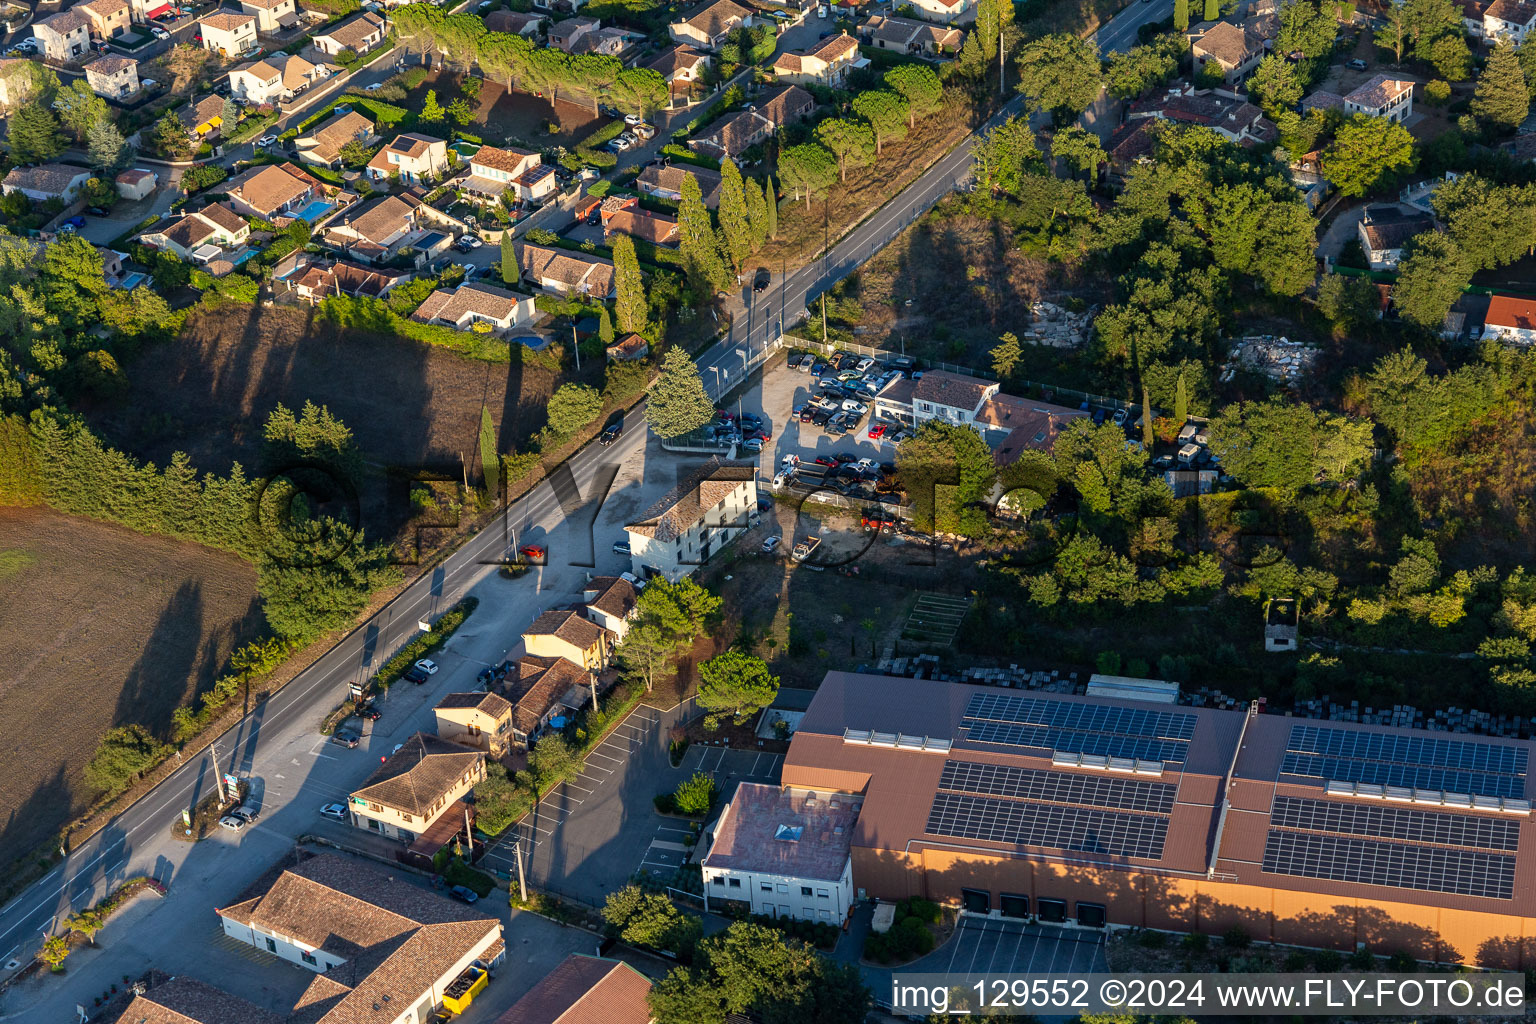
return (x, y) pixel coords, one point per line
(577, 346)
(522, 880)
(469, 834)
(218, 774)
(592, 682)
(823, 318)
(1001, 66)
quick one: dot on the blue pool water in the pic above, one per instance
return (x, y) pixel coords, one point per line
(315, 210)
(133, 280)
(244, 255)
(535, 342)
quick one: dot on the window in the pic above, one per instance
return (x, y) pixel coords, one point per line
(375, 807)
(827, 914)
(783, 887)
(1015, 906)
(807, 912)
(308, 958)
(1052, 910)
(735, 883)
(271, 944)
(823, 894)
(407, 817)
(766, 886)
(977, 901)
(719, 880)
(805, 890)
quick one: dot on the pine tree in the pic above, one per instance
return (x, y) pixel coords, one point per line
(490, 461)
(511, 273)
(698, 244)
(735, 218)
(604, 326)
(1212, 10)
(630, 307)
(1502, 99)
(34, 134)
(1180, 401)
(431, 111)
(1006, 355)
(1181, 14)
(771, 197)
(230, 113)
(678, 401)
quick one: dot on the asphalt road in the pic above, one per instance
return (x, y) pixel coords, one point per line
(77, 879)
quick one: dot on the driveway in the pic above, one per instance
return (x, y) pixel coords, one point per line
(126, 216)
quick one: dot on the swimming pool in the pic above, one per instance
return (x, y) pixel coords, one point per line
(315, 210)
(536, 342)
(245, 254)
(133, 280)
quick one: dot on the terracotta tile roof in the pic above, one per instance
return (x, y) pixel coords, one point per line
(1131, 142)
(227, 21)
(747, 835)
(677, 58)
(203, 111)
(717, 17)
(188, 1001)
(419, 774)
(785, 103)
(110, 65)
(835, 48)
(952, 389)
(591, 275)
(510, 160)
(265, 5)
(1515, 12)
(104, 8)
(351, 33)
(569, 626)
(65, 22)
(224, 217)
(1322, 99)
(540, 684)
(134, 176)
(615, 595)
(584, 990)
(1030, 425)
(381, 219)
(337, 132)
(468, 298)
(1387, 227)
(1380, 90)
(656, 228)
(511, 22)
(669, 178)
(1229, 44)
(1511, 311)
(696, 494)
(51, 178)
(266, 189)
(349, 279)
(492, 704)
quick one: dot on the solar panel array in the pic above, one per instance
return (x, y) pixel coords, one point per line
(1056, 826)
(1402, 866)
(1419, 762)
(1395, 823)
(1057, 787)
(1078, 728)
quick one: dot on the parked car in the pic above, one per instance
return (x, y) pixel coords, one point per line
(232, 822)
(855, 406)
(877, 431)
(771, 545)
(1119, 417)
(633, 119)
(752, 444)
(337, 812)
(463, 893)
(428, 666)
(760, 279)
(474, 241)
(1356, 65)
(265, 141)
(375, 87)
(369, 712)
(822, 418)
(415, 675)
(611, 435)
(532, 552)
(350, 737)
(621, 547)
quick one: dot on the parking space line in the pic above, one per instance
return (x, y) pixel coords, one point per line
(605, 757)
(607, 771)
(1013, 961)
(959, 939)
(571, 785)
(668, 828)
(977, 952)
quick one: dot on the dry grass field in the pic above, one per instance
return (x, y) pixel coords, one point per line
(99, 626)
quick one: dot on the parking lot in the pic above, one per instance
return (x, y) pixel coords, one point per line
(988, 947)
(783, 390)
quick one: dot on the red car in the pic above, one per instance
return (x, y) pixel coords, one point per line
(877, 431)
(532, 552)
(825, 460)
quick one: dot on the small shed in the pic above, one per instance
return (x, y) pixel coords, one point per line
(137, 184)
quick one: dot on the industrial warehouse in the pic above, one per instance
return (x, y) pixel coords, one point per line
(1133, 813)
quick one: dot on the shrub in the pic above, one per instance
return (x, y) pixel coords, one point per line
(1236, 938)
(1197, 942)
(202, 176)
(1153, 939)
(664, 803)
(459, 873)
(926, 911)
(1402, 963)
(1437, 92)
(1327, 961)
(1362, 960)
(696, 795)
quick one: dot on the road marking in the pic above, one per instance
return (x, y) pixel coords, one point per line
(595, 753)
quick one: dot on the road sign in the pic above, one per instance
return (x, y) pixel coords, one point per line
(232, 784)
(186, 818)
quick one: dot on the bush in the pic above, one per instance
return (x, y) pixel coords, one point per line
(498, 801)
(1437, 92)
(1197, 942)
(1402, 963)
(125, 753)
(202, 176)
(664, 803)
(1153, 939)
(1327, 961)
(1236, 938)
(459, 873)
(695, 796)
(1362, 960)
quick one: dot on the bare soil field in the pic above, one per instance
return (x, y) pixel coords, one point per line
(413, 409)
(99, 626)
(511, 116)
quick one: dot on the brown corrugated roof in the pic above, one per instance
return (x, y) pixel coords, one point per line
(423, 771)
(584, 990)
(684, 505)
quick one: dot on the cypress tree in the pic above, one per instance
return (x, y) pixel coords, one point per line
(604, 326)
(1212, 10)
(630, 306)
(771, 198)
(757, 212)
(510, 272)
(490, 461)
(1181, 14)
(735, 220)
(699, 245)
(1180, 402)
(1146, 418)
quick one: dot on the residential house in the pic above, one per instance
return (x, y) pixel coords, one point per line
(734, 133)
(543, 692)
(1383, 96)
(192, 235)
(482, 721)
(656, 228)
(230, 33)
(558, 6)
(272, 16)
(415, 786)
(1321, 99)
(681, 66)
(908, 35)
(708, 26)
(323, 145)
(610, 603)
(1130, 146)
(273, 190)
(112, 77)
(319, 281)
(1473, 14)
(414, 158)
(144, 12)
(607, 42)
(371, 939)
(494, 169)
(564, 633)
(665, 181)
(65, 36)
(137, 184)
(184, 1000)
(1510, 20)
(1233, 49)
(1233, 119)
(109, 18)
(374, 231)
(706, 511)
(564, 35)
(627, 349)
(951, 397)
(46, 181)
(513, 23)
(18, 81)
(202, 117)
(475, 303)
(1013, 426)
(566, 273)
(785, 852)
(1511, 318)
(827, 63)
(275, 79)
(1384, 230)
(947, 12)
(359, 33)
(581, 990)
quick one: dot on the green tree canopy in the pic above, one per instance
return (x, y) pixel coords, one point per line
(678, 402)
(1079, 149)
(852, 142)
(1492, 224)
(1275, 85)
(919, 85)
(948, 471)
(1502, 100)
(807, 170)
(1061, 73)
(698, 244)
(571, 408)
(737, 684)
(1003, 155)
(642, 918)
(1280, 444)
(886, 111)
(735, 218)
(1368, 153)
(125, 753)
(1431, 277)
(630, 287)
(33, 134)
